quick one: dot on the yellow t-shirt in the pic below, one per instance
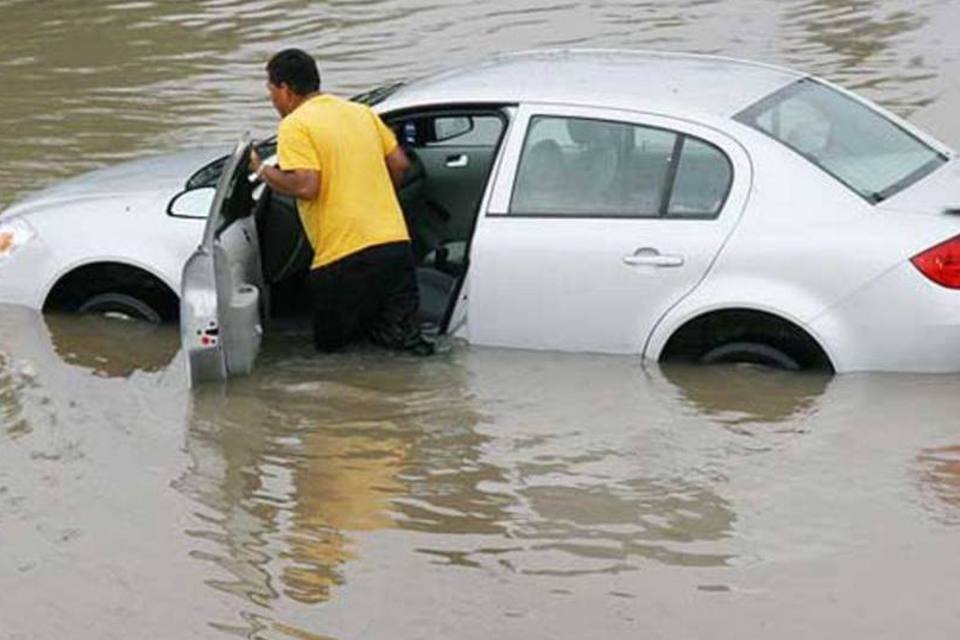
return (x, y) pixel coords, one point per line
(357, 206)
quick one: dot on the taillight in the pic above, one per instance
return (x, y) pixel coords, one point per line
(941, 263)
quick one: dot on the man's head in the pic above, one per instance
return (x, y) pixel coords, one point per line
(291, 76)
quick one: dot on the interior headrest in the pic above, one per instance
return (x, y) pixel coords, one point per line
(581, 131)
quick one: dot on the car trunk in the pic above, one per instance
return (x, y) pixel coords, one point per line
(938, 193)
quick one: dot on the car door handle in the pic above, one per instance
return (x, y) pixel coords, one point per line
(650, 257)
(458, 162)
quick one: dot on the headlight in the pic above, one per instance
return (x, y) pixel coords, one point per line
(14, 233)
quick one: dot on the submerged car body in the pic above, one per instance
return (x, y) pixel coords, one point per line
(670, 205)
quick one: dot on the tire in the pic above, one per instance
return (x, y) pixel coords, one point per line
(752, 353)
(121, 304)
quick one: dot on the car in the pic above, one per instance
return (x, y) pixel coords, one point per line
(676, 206)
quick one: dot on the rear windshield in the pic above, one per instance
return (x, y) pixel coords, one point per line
(853, 143)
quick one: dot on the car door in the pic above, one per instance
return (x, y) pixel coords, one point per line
(458, 151)
(222, 285)
(599, 221)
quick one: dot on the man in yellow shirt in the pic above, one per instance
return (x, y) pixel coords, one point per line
(342, 164)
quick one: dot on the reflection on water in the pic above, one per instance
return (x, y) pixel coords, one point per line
(940, 478)
(294, 467)
(11, 387)
(745, 397)
(111, 347)
(514, 480)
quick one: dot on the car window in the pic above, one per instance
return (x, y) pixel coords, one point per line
(855, 144)
(209, 174)
(702, 181)
(592, 168)
(459, 131)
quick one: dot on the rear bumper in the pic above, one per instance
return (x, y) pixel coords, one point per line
(900, 322)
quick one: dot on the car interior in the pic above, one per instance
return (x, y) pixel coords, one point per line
(451, 153)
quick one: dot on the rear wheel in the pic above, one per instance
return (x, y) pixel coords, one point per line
(749, 336)
(751, 353)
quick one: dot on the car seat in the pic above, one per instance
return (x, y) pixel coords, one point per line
(542, 178)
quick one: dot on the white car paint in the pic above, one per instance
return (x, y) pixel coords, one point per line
(566, 282)
(116, 214)
(791, 241)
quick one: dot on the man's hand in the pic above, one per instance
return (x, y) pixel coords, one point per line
(300, 183)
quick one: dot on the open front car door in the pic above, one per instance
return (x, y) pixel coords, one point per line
(222, 293)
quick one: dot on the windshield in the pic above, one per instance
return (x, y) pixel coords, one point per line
(209, 174)
(853, 143)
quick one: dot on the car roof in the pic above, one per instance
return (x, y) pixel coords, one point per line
(656, 81)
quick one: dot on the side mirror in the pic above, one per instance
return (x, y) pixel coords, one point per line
(192, 203)
(450, 127)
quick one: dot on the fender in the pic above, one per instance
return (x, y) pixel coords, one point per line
(118, 260)
(788, 301)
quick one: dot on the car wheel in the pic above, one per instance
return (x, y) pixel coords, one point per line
(752, 353)
(120, 305)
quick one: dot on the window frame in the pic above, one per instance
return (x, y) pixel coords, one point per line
(748, 118)
(669, 178)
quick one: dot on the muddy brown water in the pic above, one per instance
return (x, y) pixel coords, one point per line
(481, 493)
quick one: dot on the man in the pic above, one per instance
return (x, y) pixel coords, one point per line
(342, 163)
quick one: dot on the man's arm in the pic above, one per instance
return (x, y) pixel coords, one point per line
(300, 183)
(397, 165)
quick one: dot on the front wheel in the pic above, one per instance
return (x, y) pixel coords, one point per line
(752, 353)
(120, 305)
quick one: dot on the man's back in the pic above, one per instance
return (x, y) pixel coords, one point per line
(356, 207)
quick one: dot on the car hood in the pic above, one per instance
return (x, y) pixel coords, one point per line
(156, 176)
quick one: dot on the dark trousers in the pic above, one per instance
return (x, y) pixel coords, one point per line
(371, 294)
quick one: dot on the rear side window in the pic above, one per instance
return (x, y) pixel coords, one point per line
(855, 144)
(702, 181)
(578, 167)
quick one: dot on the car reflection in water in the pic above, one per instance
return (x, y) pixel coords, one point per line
(298, 466)
(296, 463)
(748, 399)
(112, 347)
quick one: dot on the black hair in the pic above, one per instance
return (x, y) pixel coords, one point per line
(295, 68)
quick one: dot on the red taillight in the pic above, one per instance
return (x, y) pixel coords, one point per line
(941, 263)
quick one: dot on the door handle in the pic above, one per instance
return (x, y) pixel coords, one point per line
(458, 162)
(650, 257)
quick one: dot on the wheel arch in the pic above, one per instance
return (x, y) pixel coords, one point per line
(685, 334)
(83, 277)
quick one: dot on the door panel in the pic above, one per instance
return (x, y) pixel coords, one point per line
(455, 149)
(585, 268)
(455, 177)
(220, 303)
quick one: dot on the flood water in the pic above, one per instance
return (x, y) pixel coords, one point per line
(479, 493)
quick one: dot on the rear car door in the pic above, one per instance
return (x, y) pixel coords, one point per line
(599, 221)
(222, 293)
